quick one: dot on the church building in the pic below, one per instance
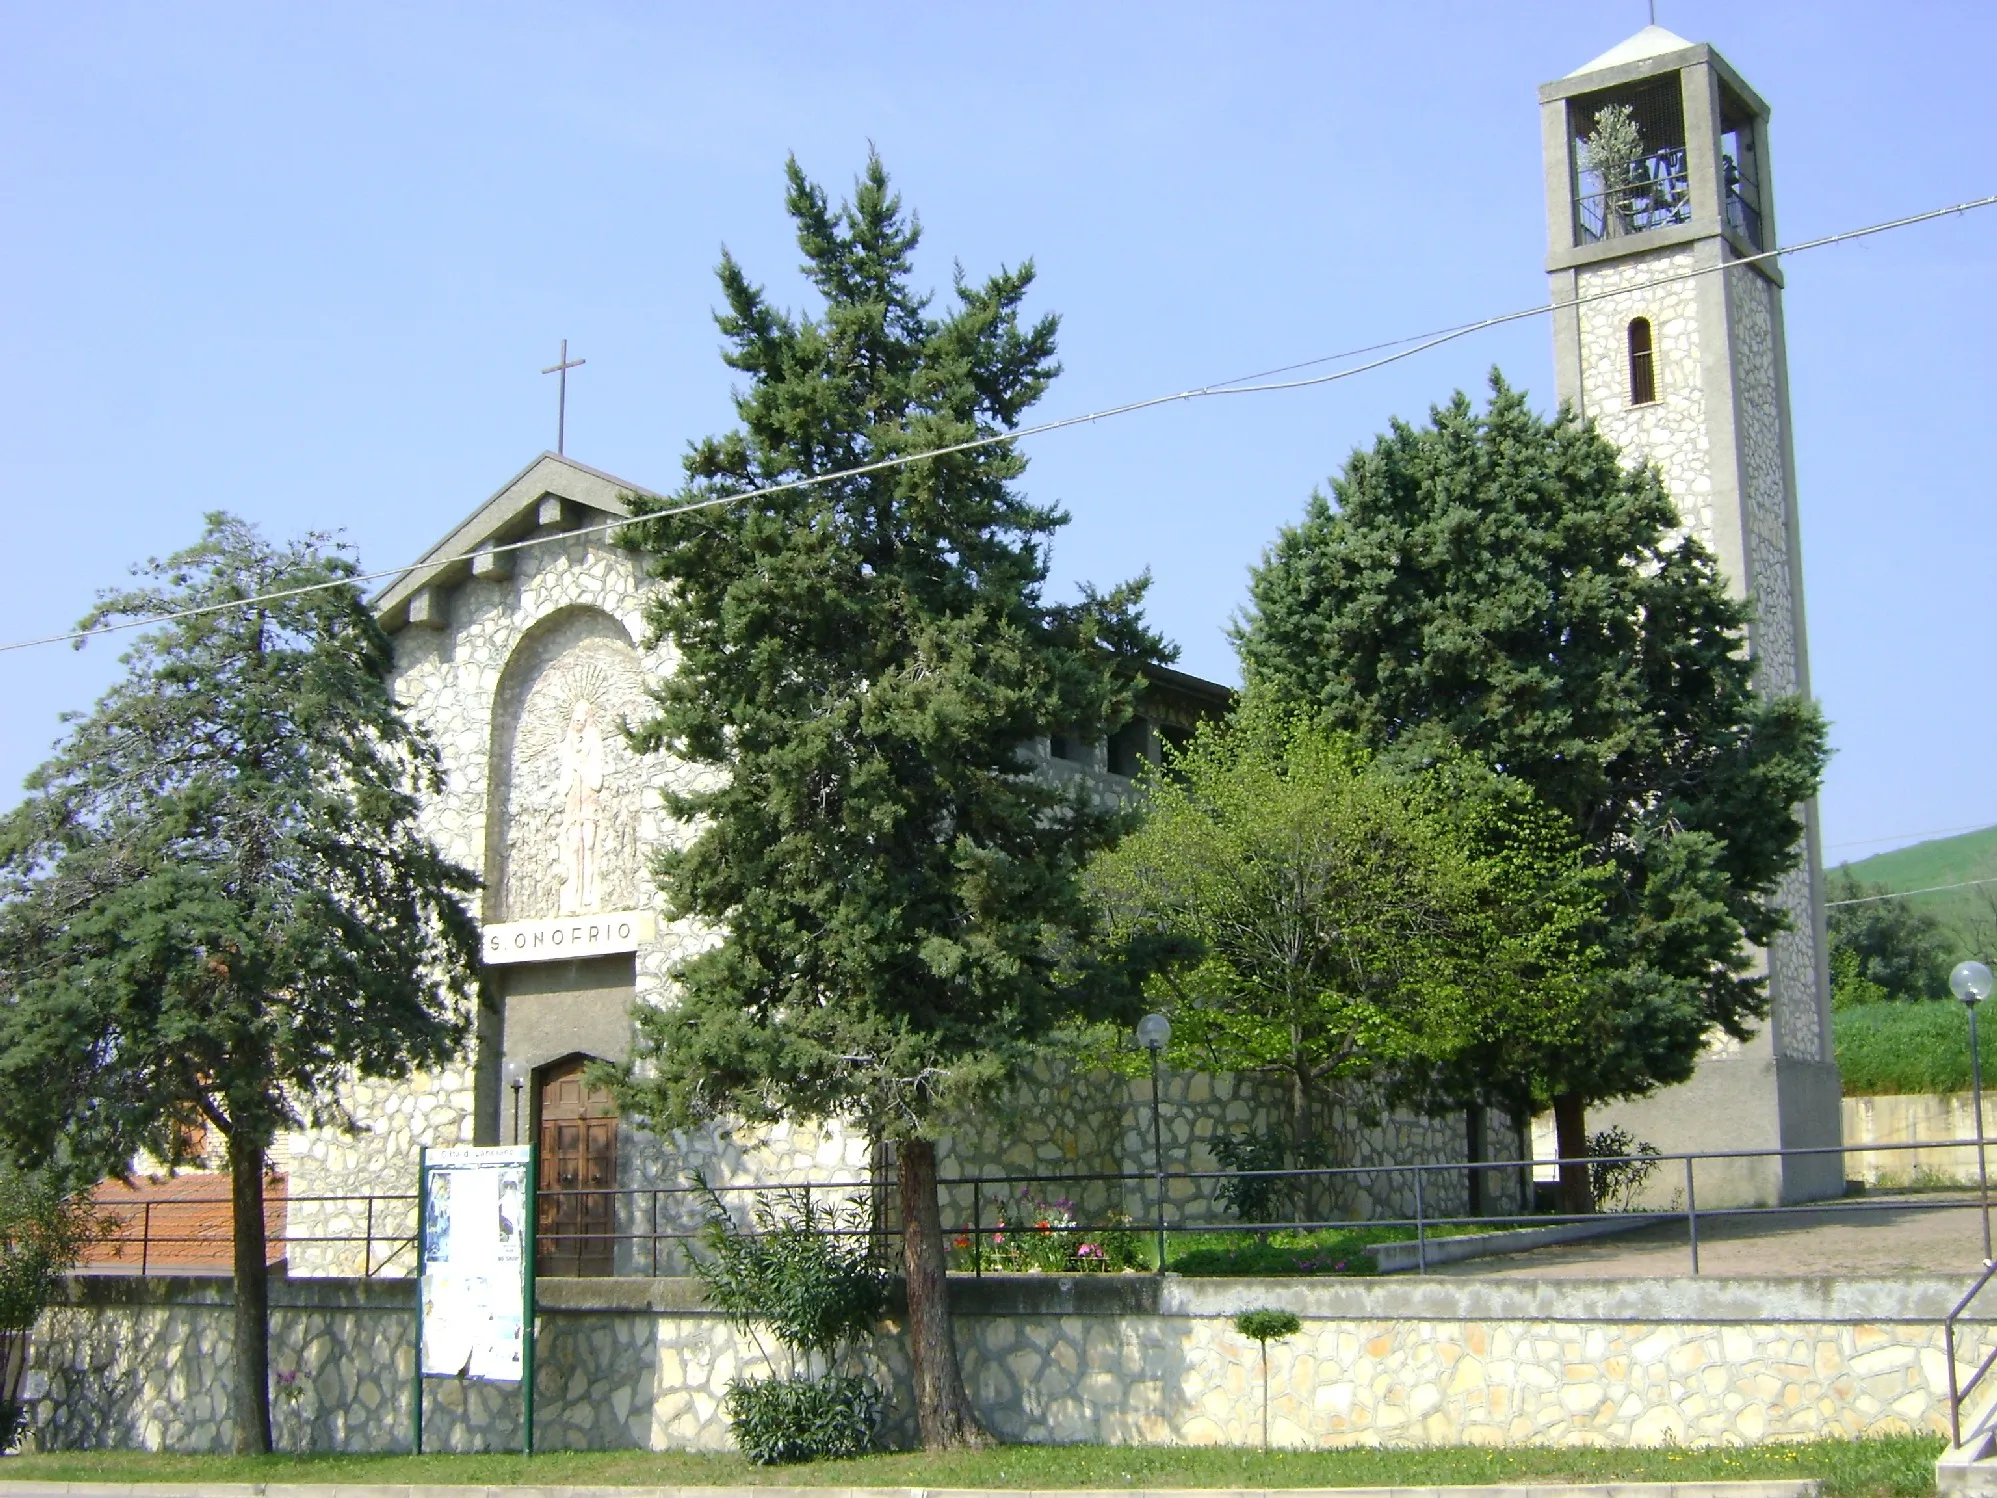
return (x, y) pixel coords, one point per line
(523, 661)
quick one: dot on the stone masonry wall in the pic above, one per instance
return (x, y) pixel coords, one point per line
(1131, 1359)
(1066, 1124)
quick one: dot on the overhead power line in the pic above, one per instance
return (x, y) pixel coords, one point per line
(1894, 837)
(1901, 894)
(1255, 384)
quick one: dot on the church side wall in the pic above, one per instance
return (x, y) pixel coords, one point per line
(1123, 1359)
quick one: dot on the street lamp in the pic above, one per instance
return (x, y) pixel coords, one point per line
(515, 1076)
(1972, 984)
(1152, 1033)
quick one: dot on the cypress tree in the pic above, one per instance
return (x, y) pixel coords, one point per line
(861, 664)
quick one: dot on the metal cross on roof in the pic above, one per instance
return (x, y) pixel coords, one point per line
(562, 401)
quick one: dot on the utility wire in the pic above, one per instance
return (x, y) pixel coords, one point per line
(1901, 894)
(1256, 384)
(1894, 837)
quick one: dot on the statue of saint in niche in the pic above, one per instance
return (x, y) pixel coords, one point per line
(582, 795)
(565, 840)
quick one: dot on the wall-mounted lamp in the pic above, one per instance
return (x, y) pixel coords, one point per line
(514, 1075)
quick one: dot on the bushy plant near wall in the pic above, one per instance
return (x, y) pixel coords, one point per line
(1909, 1048)
(804, 1270)
(45, 1226)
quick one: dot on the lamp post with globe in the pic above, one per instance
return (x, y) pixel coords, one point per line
(1152, 1033)
(1972, 984)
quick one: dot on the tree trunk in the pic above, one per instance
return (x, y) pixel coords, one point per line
(246, 1166)
(1570, 1127)
(942, 1408)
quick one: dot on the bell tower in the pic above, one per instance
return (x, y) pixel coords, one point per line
(1657, 186)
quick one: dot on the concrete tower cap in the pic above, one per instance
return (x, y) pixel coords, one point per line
(1652, 41)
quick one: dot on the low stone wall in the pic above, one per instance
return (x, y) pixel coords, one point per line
(1911, 1118)
(1122, 1359)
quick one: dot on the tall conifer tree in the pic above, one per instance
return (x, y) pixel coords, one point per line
(862, 662)
(216, 903)
(1502, 583)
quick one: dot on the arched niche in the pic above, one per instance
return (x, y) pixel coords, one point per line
(567, 792)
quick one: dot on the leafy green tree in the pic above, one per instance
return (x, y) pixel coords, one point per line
(1502, 583)
(1882, 948)
(1347, 918)
(861, 661)
(216, 902)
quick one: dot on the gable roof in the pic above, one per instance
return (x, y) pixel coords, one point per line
(510, 515)
(579, 496)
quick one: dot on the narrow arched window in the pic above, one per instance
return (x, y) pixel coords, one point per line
(1642, 363)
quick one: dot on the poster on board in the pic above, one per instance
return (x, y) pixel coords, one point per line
(475, 1262)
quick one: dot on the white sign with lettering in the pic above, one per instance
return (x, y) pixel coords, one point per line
(565, 937)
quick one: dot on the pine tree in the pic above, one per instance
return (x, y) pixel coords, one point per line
(862, 663)
(216, 903)
(1501, 583)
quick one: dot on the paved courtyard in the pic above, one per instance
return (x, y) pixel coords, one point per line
(1867, 1236)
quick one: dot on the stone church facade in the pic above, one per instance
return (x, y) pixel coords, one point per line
(523, 661)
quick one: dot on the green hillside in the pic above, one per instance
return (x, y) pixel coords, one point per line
(1944, 860)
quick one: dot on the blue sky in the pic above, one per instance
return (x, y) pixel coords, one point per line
(306, 263)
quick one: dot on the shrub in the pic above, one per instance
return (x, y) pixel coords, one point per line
(44, 1228)
(1622, 1167)
(807, 1272)
(1910, 1048)
(801, 1419)
(1255, 1198)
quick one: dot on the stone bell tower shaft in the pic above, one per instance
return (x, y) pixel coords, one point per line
(1657, 165)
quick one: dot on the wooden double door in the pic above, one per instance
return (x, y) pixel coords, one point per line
(577, 1222)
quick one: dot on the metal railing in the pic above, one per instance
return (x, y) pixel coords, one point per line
(157, 1244)
(1655, 194)
(652, 1221)
(1957, 1394)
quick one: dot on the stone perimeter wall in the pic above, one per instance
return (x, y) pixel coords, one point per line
(1120, 1359)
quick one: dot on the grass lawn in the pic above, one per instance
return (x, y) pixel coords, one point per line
(1898, 1466)
(1325, 1251)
